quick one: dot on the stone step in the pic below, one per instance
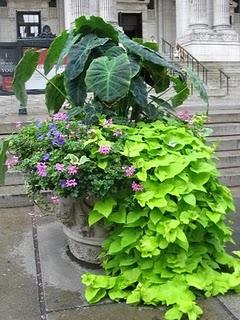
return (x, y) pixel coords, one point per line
(226, 143)
(228, 159)
(14, 197)
(224, 116)
(230, 176)
(14, 178)
(19, 210)
(223, 129)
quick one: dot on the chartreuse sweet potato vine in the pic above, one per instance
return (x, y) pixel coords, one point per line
(167, 240)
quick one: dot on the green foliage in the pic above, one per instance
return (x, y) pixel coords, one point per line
(3, 157)
(55, 93)
(54, 51)
(109, 79)
(157, 191)
(98, 58)
(23, 73)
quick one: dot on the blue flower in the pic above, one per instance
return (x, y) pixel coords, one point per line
(58, 140)
(63, 183)
(40, 137)
(46, 157)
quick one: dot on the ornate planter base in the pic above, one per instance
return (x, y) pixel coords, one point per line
(84, 242)
(86, 249)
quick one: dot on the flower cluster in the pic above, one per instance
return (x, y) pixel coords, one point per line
(67, 158)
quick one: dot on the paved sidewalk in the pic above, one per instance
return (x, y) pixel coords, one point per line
(55, 292)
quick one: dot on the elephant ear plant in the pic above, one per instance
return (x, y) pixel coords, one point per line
(156, 186)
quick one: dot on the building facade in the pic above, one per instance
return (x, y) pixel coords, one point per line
(208, 29)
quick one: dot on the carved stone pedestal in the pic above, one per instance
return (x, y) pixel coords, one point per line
(84, 242)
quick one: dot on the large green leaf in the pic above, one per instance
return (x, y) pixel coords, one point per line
(159, 75)
(114, 52)
(24, 70)
(55, 93)
(79, 54)
(55, 50)
(139, 91)
(3, 156)
(72, 38)
(76, 89)
(145, 53)
(198, 84)
(182, 91)
(109, 79)
(96, 25)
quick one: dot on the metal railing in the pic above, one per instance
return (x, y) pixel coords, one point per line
(182, 55)
(224, 78)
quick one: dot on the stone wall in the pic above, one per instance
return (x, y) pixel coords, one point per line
(50, 16)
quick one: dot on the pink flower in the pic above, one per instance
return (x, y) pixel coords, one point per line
(59, 167)
(117, 133)
(137, 186)
(129, 171)
(72, 169)
(107, 123)
(60, 116)
(184, 116)
(71, 183)
(11, 161)
(18, 124)
(55, 199)
(41, 169)
(104, 149)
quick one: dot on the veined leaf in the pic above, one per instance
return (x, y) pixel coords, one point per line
(145, 53)
(97, 26)
(109, 79)
(182, 91)
(159, 75)
(76, 90)
(105, 206)
(55, 50)
(79, 54)
(24, 70)
(114, 52)
(72, 38)
(55, 98)
(94, 217)
(139, 91)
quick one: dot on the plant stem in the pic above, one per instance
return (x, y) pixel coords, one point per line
(60, 91)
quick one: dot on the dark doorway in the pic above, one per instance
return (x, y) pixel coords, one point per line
(131, 24)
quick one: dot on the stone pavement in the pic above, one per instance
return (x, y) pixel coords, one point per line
(54, 291)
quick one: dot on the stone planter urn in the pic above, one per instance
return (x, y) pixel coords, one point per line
(84, 242)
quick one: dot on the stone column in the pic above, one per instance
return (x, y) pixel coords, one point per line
(198, 14)
(67, 13)
(108, 10)
(221, 12)
(182, 17)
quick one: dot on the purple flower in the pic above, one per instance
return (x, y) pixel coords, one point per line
(59, 167)
(117, 133)
(41, 169)
(63, 183)
(19, 124)
(137, 186)
(104, 149)
(58, 140)
(60, 116)
(11, 161)
(129, 171)
(72, 169)
(107, 123)
(40, 137)
(46, 157)
(71, 183)
(184, 116)
(55, 199)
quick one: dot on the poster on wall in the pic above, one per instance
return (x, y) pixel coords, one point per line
(8, 62)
